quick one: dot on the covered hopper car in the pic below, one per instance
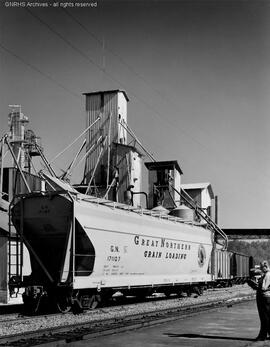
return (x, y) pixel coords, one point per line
(84, 249)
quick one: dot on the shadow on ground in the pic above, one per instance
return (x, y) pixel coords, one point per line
(213, 337)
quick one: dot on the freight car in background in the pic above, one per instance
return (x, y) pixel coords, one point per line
(231, 268)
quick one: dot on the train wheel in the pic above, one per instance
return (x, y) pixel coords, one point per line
(76, 302)
(167, 293)
(31, 307)
(95, 301)
(141, 294)
(105, 298)
(180, 293)
(63, 304)
(188, 292)
(198, 290)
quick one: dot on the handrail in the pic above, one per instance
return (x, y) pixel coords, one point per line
(140, 211)
(112, 204)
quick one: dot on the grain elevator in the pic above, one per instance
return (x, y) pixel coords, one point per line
(113, 165)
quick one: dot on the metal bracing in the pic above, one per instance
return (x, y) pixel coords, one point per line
(17, 164)
(48, 165)
(93, 147)
(114, 180)
(210, 223)
(71, 166)
(132, 134)
(77, 138)
(97, 162)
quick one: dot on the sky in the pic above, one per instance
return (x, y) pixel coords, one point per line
(197, 74)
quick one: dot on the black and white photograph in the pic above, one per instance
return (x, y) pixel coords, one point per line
(135, 173)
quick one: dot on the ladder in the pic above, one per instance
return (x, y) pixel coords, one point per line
(15, 260)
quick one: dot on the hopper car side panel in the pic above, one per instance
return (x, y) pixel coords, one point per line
(134, 250)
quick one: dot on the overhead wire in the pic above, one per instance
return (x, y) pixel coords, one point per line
(132, 134)
(164, 97)
(161, 95)
(201, 146)
(75, 140)
(110, 76)
(99, 67)
(69, 43)
(38, 70)
(101, 42)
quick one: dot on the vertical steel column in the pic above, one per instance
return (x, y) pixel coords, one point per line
(21, 239)
(9, 243)
(73, 241)
(109, 153)
(216, 209)
(2, 166)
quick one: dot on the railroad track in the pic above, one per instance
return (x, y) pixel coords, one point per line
(4, 318)
(113, 319)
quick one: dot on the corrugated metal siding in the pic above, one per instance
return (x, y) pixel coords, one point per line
(93, 110)
(102, 104)
(111, 106)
